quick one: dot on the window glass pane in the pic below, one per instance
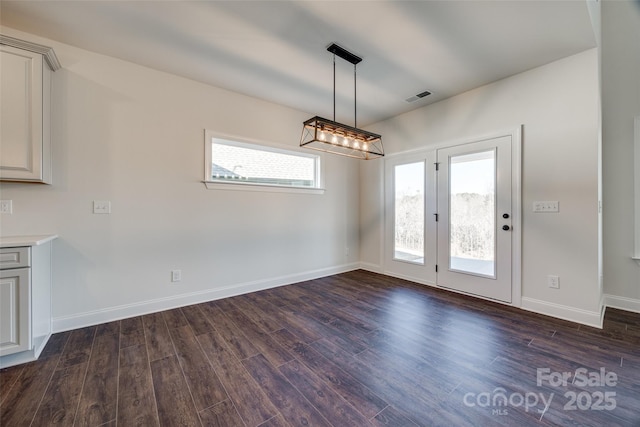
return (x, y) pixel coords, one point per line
(247, 163)
(472, 213)
(409, 212)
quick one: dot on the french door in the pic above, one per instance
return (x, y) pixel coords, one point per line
(410, 197)
(475, 218)
(453, 212)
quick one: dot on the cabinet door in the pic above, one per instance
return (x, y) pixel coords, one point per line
(21, 115)
(15, 310)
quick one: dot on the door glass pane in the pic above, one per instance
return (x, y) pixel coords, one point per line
(472, 213)
(409, 213)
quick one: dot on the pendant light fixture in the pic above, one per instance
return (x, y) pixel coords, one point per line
(327, 135)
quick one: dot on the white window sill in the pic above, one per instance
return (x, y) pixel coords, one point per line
(636, 259)
(243, 186)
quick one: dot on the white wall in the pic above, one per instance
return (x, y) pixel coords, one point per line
(558, 105)
(135, 136)
(621, 103)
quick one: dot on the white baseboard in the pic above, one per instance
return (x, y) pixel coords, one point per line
(374, 268)
(96, 317)
(622, 303)
(572, 314)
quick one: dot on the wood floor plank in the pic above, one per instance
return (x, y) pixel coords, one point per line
(462, 401)
(292, 405)
(229, 331)
(340, 286)
(157, 338)
(267, 346)
(281, 296)
(109, 328)
(253, 310)
(174, 318)
(136, 399)
(277, 421)
(100, 391)
(206, 388)
(406, 357)
(196, 320)
(353, 391)
(60, 401)
(584, 350)
(78, 347)
(627, 317)
(423, 410)
(329, 403)
(391, 417)
(349, 343)
(355, 322)
(8, 378)
(223, 414)
(55, 345)
(322, 316)
(131, 332)
(251, 401)
(175, 406)
(322, 289)
(22, 401)
(278, 319)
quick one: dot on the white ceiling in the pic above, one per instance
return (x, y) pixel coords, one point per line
(276, 50)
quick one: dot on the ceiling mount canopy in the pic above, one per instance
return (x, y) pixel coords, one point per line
(327, 135)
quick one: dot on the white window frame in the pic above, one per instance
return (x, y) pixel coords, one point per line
(253, 186)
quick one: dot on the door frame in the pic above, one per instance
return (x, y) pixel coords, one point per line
(516, 201)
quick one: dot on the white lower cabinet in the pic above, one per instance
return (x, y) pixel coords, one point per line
(25, 302)
(15, 310)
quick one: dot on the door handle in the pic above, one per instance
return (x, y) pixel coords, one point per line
(505, 227)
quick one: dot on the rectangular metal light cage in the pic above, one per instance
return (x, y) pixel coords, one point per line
(326, 135)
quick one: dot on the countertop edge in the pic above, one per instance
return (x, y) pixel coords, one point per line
(18, 241)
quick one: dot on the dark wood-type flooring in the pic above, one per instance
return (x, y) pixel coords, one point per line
(355, 349)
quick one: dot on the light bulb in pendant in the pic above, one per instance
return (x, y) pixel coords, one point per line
(334, 139)
(365, 146)
(345, 142)
(322, 136)
(356, 145)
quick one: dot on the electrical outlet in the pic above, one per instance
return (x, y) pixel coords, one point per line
(6, 206)
(553, 281)
(176, 275)
(548, 206)
(101, 207)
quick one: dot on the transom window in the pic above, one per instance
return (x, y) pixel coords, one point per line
(235, 162)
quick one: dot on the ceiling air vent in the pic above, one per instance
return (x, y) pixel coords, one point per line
(418, 96)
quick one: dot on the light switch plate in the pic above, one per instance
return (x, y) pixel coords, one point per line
(101, 207)
(6, 206)
(548, 206)
(176, 275)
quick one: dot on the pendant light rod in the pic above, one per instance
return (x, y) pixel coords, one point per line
(355, 97)
(334, 87)
(353, 59)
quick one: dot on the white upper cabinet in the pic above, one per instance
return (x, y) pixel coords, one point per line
(25, 110)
